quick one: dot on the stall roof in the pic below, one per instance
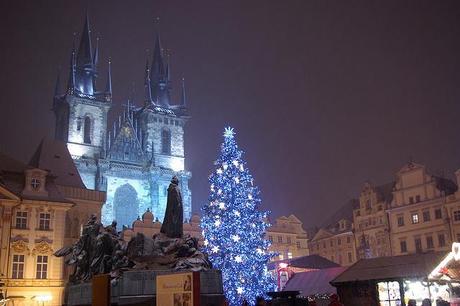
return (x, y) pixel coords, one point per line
(306, 262)
(391, 267)
(314, 282)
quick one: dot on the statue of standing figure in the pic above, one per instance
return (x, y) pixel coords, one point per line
(172, 225)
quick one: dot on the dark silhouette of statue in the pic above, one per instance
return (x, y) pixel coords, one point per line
(174, 217)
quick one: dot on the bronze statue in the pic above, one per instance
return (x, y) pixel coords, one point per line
(172, 225)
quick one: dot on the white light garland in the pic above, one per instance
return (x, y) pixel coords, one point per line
(222, 205)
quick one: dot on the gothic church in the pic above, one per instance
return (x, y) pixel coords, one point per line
(133, 160)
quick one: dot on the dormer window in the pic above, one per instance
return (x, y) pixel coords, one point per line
(35, 183)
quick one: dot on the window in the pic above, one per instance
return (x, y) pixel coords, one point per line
(35, 183)
(42, 267)
(280, 239)
(429, 242)
(176, 123)
(418, 245)
(403, 246)
(87, 130)
(340, 259)
(441, 240)
(288, 239)
(165, 120)
(289, 255)
(281, 256)
(417, 198)
(438, 213)
(339, 241)
(350, 257)
(165, 142)
(414, 218)
(348, 239)
(400, 220)
(426, 216)
(44, 221)
(389, 293)
(270, 238)
(18, 266)
(298, 244)
(411, 200)
(324, 245)
(21, 219)
(456, 215)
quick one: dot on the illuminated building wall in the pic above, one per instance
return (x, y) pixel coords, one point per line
(134, 158)
(41, 211)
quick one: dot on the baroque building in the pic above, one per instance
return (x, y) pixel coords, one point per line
(134, 159)
(418, 216)
(42, 205)
(335, 240)
(288, 238)
(371, 227)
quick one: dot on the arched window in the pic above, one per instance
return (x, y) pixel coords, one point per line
(166, 142)
(126, 205)
(87, 130)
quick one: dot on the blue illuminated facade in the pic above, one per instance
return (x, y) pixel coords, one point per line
(134, 159)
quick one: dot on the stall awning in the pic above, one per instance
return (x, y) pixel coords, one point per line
(305, 262)
(391, 267)
(449, 268)
(314, 282)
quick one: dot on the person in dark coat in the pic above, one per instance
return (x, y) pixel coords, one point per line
(174, 217)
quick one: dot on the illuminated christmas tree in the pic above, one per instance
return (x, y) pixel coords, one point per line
(234, 228)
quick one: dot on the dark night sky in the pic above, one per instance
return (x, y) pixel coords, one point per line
(324, 95)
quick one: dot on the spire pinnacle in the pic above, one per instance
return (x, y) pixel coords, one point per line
(96, 53)
(71, 83)
(147, 84)
(108, 87)
(85, 55)
(183, 95)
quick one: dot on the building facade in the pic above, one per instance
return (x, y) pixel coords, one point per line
(418, 215)
(288, 238)
(371, 227)
(36, 205)
(134, 159)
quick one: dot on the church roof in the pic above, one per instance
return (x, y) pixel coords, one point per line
(54, 157)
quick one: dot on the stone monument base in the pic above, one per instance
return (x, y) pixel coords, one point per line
(139, 288)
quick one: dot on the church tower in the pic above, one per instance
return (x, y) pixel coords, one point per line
(162, 123)
(134, 160)
(81, 112)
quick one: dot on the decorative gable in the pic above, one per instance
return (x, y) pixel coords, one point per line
(126, 145)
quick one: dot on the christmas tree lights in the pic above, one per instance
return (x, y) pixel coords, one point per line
(234, 228)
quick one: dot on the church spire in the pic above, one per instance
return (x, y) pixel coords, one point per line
(85, 55)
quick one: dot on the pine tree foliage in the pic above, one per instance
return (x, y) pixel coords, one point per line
(234, 227)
